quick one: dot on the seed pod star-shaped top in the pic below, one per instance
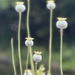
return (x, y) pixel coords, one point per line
(38, 52)
(61, 23)
(20, 7)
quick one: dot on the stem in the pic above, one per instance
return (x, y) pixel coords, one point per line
(61, 42)
(28, 31)
(19, 52)
(27, 60)
(13, 60)
(31, 59)
(50, 43)
(36, 67)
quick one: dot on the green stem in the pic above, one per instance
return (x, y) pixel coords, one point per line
(19, 52)
(27, 60)
(13, 60)
(61, 43)
(36, 67)
(31, 59)
(50, 43)
(28, 31)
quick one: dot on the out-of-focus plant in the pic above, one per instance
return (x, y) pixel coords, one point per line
(13, 58)
(5, 4)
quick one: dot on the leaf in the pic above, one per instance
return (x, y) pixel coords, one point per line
(40, 70)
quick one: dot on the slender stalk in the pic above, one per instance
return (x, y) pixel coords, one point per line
(31, 59)
(61, 44)
(36, 67)
(28, 11)
(28, 30)
(13, 60)
(27, 60)
(28, 33)
(50, 43)
(19, 52)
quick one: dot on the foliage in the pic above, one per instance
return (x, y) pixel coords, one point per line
(6, 4)
(40, 70)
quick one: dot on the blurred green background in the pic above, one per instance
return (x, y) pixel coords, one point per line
(39, 28)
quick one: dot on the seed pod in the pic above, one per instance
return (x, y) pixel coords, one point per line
(61, 23)
(20, 7)
(37, 57)
(51, 5)
(29, 42)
